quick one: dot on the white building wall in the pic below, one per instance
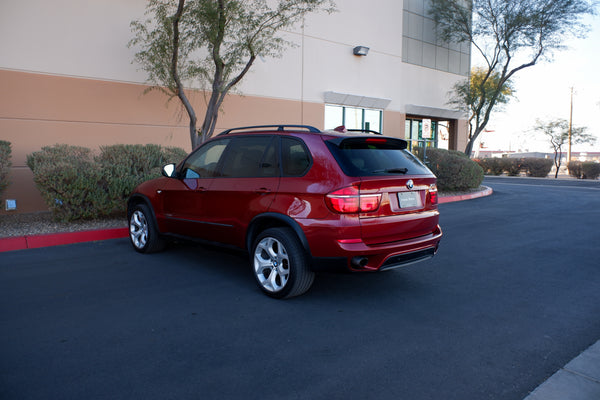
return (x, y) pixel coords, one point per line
(79, 38)
(88, 38)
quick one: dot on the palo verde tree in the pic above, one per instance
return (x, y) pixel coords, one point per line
(509, 36)
(557, 132)
(468, 93)
(211, 43)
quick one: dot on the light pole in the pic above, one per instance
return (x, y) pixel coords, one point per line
(570, 128)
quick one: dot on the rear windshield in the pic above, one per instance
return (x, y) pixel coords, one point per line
(375, 156)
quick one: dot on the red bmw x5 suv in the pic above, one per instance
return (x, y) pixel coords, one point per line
(298, 200)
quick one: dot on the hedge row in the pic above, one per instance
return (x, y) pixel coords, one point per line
(453, 169)
(5, 154)
(584, 170)
(75, 183)
(535, 167)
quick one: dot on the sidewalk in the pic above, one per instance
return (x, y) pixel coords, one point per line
(578, 380)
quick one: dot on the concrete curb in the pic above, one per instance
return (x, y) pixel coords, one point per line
(57, 239)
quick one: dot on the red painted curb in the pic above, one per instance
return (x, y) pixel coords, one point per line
(57, 239)
(449, 199)
(13, 243)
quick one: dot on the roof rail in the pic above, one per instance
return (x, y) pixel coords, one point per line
(365, 130)
(280, 127)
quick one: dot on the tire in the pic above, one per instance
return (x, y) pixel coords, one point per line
(280, 264)
(143, 233)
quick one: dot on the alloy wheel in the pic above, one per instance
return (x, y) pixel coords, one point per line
(138, 229)
(271, 264)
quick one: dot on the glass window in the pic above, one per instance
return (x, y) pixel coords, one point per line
(334, 116)
(372, 120)
(414, 134)
(372, 157)
(203, 163)
(353, 118)
(421, 45)
(295, 158)
(249, 157)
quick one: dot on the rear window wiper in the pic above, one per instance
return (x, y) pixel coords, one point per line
(391, 171)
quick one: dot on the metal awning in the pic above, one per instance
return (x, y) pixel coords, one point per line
(352, 100)
(432, 112)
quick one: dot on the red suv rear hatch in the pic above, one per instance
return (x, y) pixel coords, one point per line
(396, 192)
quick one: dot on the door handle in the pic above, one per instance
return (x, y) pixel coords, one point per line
(263, 190)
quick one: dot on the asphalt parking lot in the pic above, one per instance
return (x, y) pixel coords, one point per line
(511, 297)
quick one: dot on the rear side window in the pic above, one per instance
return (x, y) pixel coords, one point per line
(295, 158)
(251, 157)
(375, 156)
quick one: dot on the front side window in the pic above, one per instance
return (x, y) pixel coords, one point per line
(203, 163)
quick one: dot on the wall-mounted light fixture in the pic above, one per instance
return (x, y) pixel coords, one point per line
(360, 51)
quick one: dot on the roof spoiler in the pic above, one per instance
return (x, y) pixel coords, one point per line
(359, 141)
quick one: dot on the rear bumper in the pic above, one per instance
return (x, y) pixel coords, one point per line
(363, 257)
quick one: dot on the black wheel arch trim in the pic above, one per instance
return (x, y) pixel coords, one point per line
(285, 220)
(138, 198)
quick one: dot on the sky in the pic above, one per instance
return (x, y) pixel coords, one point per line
(544, 92)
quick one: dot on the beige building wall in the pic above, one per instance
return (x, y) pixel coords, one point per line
(66, 77)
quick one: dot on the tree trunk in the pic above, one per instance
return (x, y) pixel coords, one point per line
(557, 162)
(175, 75)
(471, 142)
(210, 117)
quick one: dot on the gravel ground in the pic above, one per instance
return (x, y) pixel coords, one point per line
(42, 223)
(15, 225)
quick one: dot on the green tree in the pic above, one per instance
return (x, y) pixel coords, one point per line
(509, 36)
(557, 132)
(212, 43)
(468, 93)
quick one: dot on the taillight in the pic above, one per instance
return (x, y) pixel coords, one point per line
(432, 194)
(349, 200)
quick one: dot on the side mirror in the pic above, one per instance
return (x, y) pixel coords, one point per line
(169, 171)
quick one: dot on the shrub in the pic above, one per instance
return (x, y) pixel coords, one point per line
(537, 167)
(590, 170)
(77, 185)
(5, 154)
(584, 170)
(512, 166)
(497, 166)
(575, 169)
(70, 182)
(454, 170)
(125, 166)
(57, 154)
(493, 166)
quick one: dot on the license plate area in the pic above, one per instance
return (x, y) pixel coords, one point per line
(409, 199)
